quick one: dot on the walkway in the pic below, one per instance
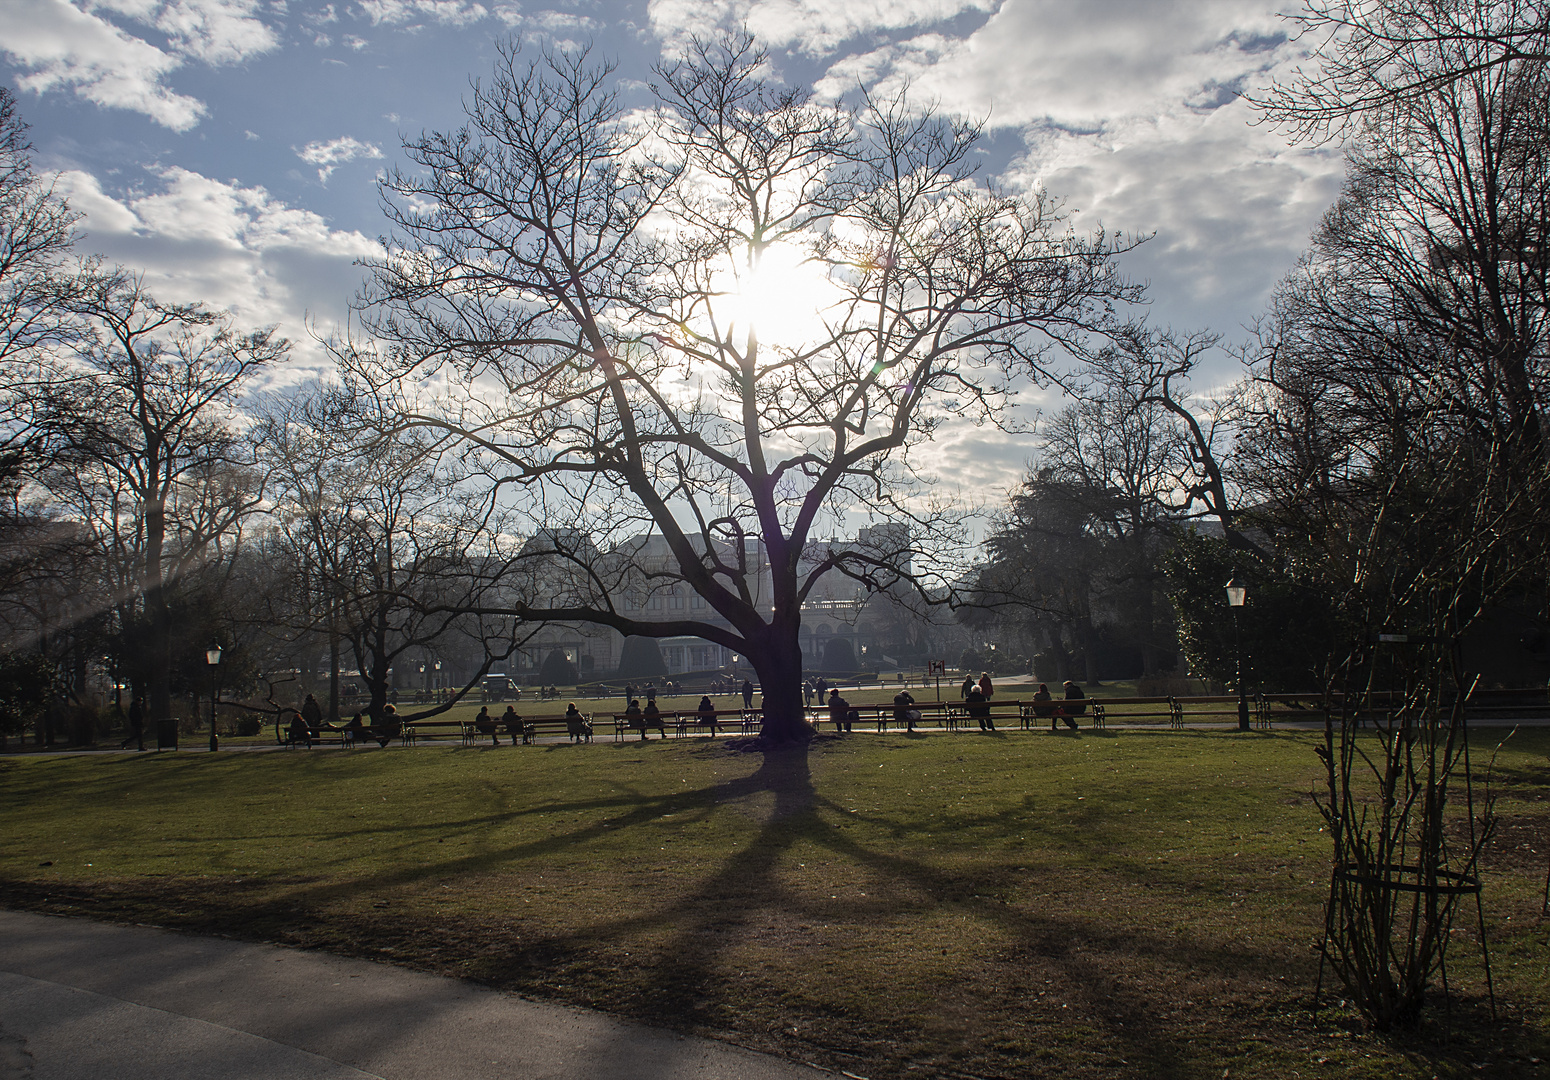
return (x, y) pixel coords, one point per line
(83, 1001)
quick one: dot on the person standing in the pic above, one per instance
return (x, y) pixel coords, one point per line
(839, 710)
(968, 684)
(136, 724)
(747, 694)
(986, 687)
(312, 713)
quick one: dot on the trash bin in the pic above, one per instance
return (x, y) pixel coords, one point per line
(166, 734)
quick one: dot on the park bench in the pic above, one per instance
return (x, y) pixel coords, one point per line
(1529, 703)
(1135, 708)
(1035, 714)
(743, 721)
(1218, 707)
(625, 725)
(1003, 714)
(929, 712)
(338, 736)
(534, 728)
(415, 730)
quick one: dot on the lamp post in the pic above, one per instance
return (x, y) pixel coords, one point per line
(1236, 594)
(213, 658)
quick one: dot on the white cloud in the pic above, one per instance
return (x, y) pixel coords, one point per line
(446, 12)
(330, 155)
(1128, 111)
(356, 43)
(202, 240)
(62, 45)
(1083, 66)
(213, 31)
(815, 27)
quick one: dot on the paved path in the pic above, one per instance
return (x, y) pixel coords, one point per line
(90, 1001)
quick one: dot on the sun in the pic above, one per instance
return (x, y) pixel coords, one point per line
(784, 299)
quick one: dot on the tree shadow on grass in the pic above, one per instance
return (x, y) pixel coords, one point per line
(688, 985)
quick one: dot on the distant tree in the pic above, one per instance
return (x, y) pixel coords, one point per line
(641, 658)
(29, 687)
(558, 669)
(839, 655)
(144, 457)
(598, 306)
(1288, 627)
(377, 552)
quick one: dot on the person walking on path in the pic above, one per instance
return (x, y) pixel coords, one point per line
(136, 724)
(747, 694)
(839, 710)
(968, 684)
(986, 687)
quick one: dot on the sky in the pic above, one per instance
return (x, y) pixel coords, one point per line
(229, 148)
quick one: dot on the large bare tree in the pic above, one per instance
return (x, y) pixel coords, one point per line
(728, 320)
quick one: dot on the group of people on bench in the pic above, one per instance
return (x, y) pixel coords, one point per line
(485, 724)
(1044, 705)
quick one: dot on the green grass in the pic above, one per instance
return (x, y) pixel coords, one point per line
(1133, 904)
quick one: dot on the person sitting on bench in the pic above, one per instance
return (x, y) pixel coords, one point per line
(635, 718)
(707, 713)
(484, 724)
(512, 723)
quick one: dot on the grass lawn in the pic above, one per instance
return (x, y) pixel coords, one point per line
(1124, 904)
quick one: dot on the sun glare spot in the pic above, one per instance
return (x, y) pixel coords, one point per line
(783, 299)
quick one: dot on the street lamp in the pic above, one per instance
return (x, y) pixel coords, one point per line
(213, 658)
(1236, 594)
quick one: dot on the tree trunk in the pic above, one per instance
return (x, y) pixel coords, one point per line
(333, 673)
(779, 667)
(158, 617)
